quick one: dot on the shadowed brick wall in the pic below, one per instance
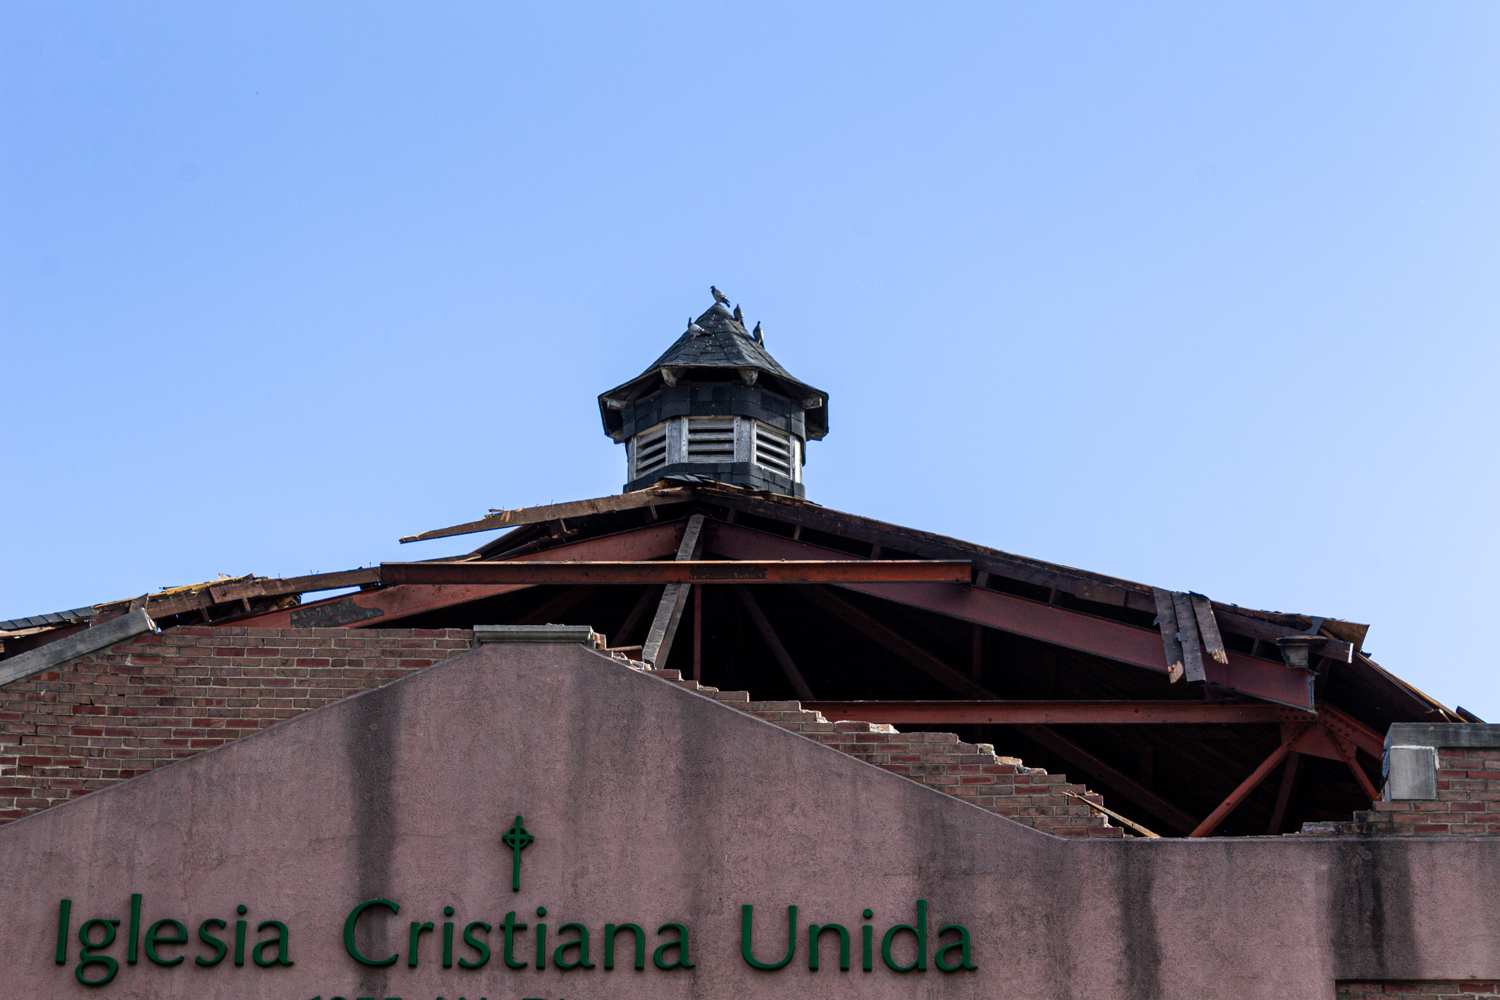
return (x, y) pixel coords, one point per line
(111, 715)
(120, 712)
(1468, 802)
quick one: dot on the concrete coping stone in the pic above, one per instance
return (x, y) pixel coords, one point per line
(582, 634)
(1442, 734)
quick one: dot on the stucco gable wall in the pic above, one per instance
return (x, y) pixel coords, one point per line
(652, 804)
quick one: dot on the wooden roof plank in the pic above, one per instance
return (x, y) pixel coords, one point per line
(550, 512)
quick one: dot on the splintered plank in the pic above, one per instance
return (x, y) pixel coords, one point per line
(1187, 634)
(1213, 643)
(1166, 611)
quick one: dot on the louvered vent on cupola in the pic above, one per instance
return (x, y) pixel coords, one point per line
(648, 451)
(715, 444)
(777, 450)
(710, 439)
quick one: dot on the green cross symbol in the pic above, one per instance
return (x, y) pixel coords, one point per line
(517, 839)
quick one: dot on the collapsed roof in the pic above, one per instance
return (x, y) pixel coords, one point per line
(1170, 704)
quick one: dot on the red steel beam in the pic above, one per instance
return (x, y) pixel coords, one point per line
(392, 603)
(1047, 713)
(1246, 787)
(1140, 647)
(1100, 773)
(686, 571)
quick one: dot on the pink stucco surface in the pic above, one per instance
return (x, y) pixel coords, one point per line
(653, 804)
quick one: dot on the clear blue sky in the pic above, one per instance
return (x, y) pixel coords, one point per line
(1199, 295)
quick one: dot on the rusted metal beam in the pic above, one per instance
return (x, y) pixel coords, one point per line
(1288, 744)
(698, 634)
(684, 572)
(1050, 713)
(380, 607)
(783, 658)
(627, 627)
(893, 641)
(1100, 773)
(1346, 747)
(1284, 796)
(558, 606)
(1113, 640)
(1347, 727)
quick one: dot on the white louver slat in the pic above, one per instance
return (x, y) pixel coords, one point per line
(650, 450)
(710, 439)
(774, 450)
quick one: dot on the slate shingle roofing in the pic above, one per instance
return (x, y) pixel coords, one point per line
(723, 351)
(723, 343)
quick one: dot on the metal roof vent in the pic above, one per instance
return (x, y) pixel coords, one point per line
(716, 405)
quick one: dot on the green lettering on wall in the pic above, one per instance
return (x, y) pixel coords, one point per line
(511, 928)
(135, 928)
(239, 936)
(920, 930)
(747, 933)
(814, 931)
(683, 959)
(64, 924)
(964, 961)
(447, 938)
(282, 941)
(353, 919)
(559, 957)
(90, 957)
(155, 937)
(610, 930)
(414, 941)
(480, 946)
(220, 948)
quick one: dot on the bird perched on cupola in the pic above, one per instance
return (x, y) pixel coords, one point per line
(756, 334)
(739, 317)
(719, 296)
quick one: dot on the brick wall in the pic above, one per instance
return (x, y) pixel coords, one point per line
(968, 771)
(1468, 803)
(111, 715)
(1450, 990)
(120, 712)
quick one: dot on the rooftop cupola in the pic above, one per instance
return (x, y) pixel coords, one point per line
(718, 406)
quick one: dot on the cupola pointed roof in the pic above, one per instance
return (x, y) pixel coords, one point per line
(719, 342)
(716, 347)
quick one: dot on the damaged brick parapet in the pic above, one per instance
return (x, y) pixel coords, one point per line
(969, 771)
(112, 714)
(1441, 780)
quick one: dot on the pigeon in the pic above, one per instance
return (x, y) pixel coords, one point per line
(719, 296)
(756, 334)
(695, 330)
(739, 317)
